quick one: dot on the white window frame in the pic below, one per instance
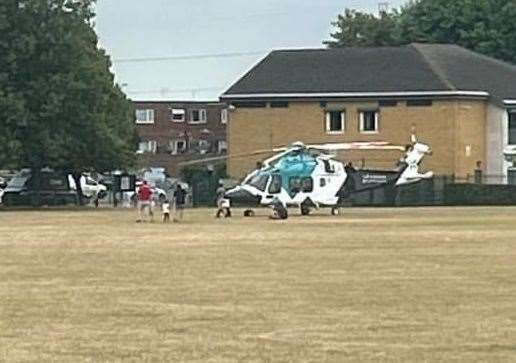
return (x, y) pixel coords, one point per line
(151, 146)
(376, 122)
(175, 148)
(342, 123)
(221, 143)
(202, 116)
(207, 144)
(177, 111)
(224, 116)
(149, 116)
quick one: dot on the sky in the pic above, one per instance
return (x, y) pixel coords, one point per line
(207, 44)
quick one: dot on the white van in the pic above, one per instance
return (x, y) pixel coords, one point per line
(90, 187)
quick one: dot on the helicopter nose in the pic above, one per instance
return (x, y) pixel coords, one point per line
(241, 197)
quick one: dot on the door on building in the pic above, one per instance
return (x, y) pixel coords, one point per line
(511, 176)
(512, 127)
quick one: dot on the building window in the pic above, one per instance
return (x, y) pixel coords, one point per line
(335, 122)
(512, 127)
(145, 116)
(177, 146)
(249, 104)
(419, 103)
(222, 147)
(224, 116)
(177, 115)
(369, 122)
(198, 116)
(150, 146)
(204, 146)
(387, 103)
(279, 104)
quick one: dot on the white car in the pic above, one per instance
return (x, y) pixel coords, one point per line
(3, 185)
(90, 187)
(159, 195)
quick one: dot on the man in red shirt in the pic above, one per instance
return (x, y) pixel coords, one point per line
(144, 201)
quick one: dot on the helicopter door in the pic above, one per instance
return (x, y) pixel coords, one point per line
(274, 187)
(275, 184)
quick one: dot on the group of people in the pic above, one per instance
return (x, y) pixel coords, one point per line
(176, 207)
(145, 204)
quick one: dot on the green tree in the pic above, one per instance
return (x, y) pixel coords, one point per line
(484, 26)
(59, 105)
(358, 29)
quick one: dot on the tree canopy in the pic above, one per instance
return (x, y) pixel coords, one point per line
(358, 29)
(59, 104)
(484, 26)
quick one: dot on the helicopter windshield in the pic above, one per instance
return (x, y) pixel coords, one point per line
(259, 181)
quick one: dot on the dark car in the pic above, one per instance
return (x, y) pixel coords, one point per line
(22, 190)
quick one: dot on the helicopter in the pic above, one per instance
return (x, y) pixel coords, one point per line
(309, 177)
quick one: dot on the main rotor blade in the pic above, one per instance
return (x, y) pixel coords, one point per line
(225, 157)
(374, 145)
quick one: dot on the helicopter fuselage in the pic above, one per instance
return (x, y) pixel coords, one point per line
(300, 178)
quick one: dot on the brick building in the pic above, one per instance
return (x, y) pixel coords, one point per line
(461, 103)
(171, 132)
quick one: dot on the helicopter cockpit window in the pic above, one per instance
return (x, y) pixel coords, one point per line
(307, 185)
(275, 186)
(259, 181)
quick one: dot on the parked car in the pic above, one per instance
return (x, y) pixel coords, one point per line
(3, 183)
(22, 189)
(90, 187)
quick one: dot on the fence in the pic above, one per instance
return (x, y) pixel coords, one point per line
(446, 191)
(442, 190)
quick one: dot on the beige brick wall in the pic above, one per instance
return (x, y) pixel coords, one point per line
(438, 125)
(470, 127)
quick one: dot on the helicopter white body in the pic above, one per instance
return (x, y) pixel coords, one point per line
(298, 177)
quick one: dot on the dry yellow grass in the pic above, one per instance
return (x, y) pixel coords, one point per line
(434, 284)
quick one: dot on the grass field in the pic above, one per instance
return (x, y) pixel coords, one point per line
(431, 284)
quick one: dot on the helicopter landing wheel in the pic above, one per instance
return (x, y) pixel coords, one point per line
(249, 213)
(335, 211)
(305, 211)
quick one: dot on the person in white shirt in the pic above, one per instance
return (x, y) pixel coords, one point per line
(165, 210)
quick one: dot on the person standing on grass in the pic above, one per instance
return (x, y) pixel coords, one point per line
(179, 201)
(144, 201)
(165, 209)
(222, 203)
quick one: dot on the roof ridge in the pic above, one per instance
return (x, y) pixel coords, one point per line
(434, 67)
(485, 57)
(337, 49)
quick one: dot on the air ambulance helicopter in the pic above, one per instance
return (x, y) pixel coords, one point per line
(309, 177)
